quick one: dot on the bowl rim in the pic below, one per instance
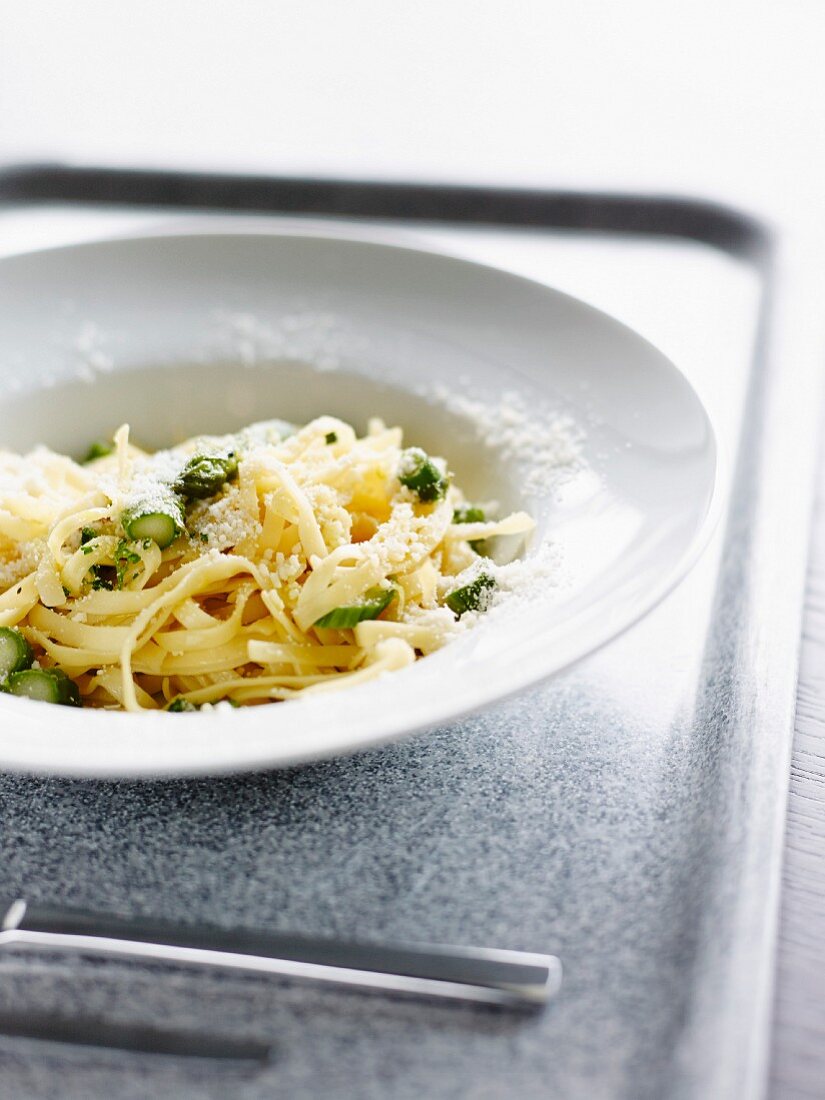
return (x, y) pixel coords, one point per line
(249, 755)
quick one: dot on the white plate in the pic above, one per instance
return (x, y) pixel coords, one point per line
(206, 329)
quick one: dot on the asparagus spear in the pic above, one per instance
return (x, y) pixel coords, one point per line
(421, 474)
(370, 607)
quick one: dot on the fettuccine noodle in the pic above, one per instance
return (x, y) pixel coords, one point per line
(313, 559)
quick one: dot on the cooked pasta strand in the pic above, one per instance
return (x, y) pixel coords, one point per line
(251, 568)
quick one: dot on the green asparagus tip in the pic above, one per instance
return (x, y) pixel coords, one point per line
(474, 596)
(205, 475)
(421, 474)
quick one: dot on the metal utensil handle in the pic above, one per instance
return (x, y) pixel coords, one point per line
(481, 975)
(78, 1030)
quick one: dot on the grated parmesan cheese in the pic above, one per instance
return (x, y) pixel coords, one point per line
(223, 523)
(255, 601)
(15, 568)
(545, 445)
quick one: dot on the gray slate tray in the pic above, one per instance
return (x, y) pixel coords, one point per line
(626, 815)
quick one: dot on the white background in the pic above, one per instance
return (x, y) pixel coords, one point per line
(719, 98)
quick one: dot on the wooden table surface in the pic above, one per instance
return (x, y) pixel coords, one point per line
(798, 1071)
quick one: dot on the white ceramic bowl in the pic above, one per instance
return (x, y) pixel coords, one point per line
(208, 328)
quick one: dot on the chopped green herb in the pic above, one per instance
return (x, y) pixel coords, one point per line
(98, 449)
(15, 652)
(474, 596)
(124, 558)
(374, 602)
(204, 537)
(205, 475)
(100, 582)
(420, 473)
(87, 535)
(331, 437)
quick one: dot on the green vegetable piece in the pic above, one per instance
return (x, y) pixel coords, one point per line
(87, 534)
(331, 437)
(474, 596)
(205, 475)
(468, 513)
(47, 685)
(471, 513)
(69, 691)
(374, 602)
(159, 519)
(98, 449)
(34, 683)
(180, 705)
(418, 472)
(15, 652)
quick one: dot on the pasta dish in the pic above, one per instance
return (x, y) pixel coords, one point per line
(239, 569)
